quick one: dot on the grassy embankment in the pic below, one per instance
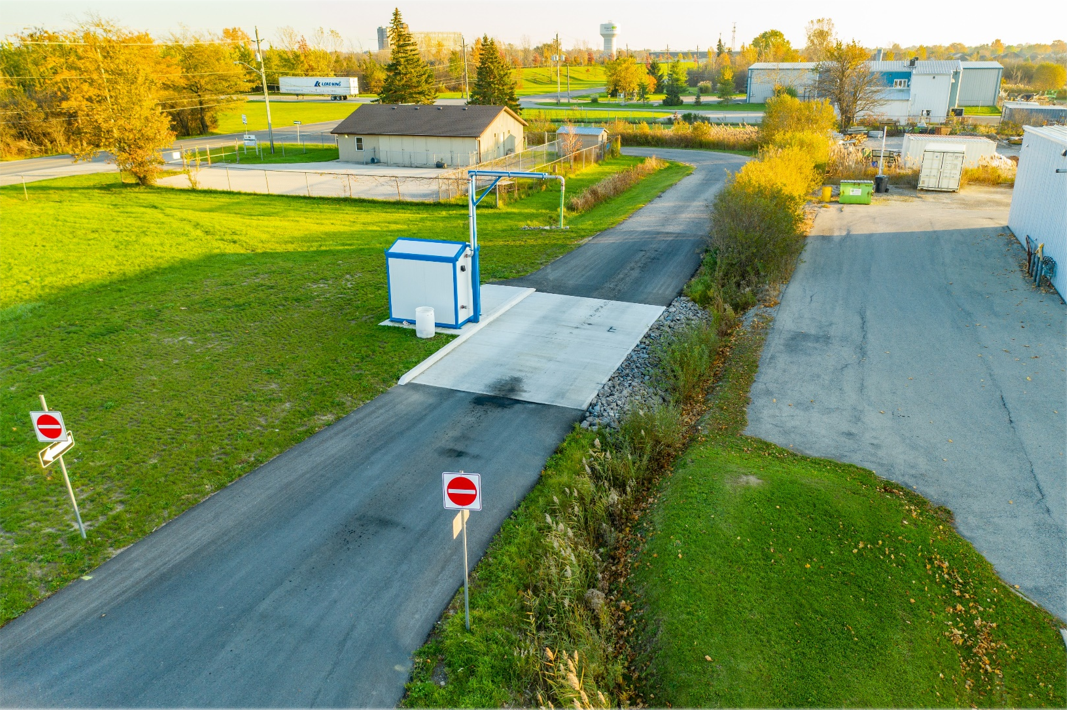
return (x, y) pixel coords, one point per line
(190, 336)
(542, 80)
(772, 579)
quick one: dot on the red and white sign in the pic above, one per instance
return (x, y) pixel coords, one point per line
(462, 491)
(48, 426)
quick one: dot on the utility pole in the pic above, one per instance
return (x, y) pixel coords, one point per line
(557, 68)
(466, 87)
(266, 96)
(568, 82)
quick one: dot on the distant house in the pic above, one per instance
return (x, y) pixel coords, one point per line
(913, 90)
(588, 136)
(424, 136)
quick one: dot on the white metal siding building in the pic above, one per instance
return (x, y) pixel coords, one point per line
(1039, 201)
(911, 90)
(911, 153)
(419, 136)
(978, 84)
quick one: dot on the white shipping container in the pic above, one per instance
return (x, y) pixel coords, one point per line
(911, 153)
(338, 86)
(942, 167)
(1039, 200)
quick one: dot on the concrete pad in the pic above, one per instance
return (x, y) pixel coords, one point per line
(549, 349)
(910, 342)
(495, 300)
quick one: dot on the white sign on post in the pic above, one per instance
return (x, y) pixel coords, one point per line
(244, 119)
(462, 492)
(50, 429)
(48, 426)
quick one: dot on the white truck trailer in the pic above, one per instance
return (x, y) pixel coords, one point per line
(338, 88)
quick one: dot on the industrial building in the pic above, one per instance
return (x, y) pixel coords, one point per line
(428, 136)
(1031, 113)
(910, 90)
(1039, 200)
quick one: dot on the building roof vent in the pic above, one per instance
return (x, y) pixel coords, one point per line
(913, 61)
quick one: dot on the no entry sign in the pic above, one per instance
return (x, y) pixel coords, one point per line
(462, 491)
(48, 426)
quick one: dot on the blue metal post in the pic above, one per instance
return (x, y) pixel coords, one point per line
(472, 213)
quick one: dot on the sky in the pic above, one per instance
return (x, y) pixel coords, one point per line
(642, 25)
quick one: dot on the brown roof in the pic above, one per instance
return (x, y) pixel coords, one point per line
(412, 120)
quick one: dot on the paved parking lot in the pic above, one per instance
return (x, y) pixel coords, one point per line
(910, 342)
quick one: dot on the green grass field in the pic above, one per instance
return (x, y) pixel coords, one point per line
(618, 106)
(188, 337)
(981, 111)
(542, 80)
(282, 115)
(770, 579)
(283, 153)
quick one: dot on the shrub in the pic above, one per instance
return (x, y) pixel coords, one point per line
(685, 361)
(815, 145)
(756, 236)
(790, 171)
(786, 114)
(614, 184)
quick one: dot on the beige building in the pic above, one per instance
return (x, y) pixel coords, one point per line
(424, 136)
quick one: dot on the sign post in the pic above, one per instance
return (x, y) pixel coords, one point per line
(462, 492)
(50, 428)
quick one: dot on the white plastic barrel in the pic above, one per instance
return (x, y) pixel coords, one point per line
(424, 322)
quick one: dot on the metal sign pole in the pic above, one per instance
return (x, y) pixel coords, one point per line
(70, 490)
(466, 597)
(66, 480)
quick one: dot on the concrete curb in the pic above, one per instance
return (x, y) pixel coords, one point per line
(463, 337)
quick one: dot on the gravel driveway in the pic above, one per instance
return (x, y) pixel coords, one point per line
(910, 342)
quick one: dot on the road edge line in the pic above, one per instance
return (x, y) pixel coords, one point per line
(463, 337)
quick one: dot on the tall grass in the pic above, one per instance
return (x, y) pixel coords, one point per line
(685, 361)
(847, 162)
(996, 170)
(700, 135)
(614, 184)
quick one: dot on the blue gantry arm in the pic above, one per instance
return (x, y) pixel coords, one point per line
(472, 211)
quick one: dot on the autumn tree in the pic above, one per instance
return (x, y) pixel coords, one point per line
(408, 79)
(371, 73)
(1049, 76)
(787, 114)
(820, 37)
(31, 96)
(494, 84)
(846, 80)
(772, 46)
(119, 111)
(208, 83)
(624, 75)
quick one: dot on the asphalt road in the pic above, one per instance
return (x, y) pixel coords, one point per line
(649, 257)
(910, 342)
(310, 581)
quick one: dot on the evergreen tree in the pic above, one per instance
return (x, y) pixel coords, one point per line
(408, 80)
(675, 84)
(720, 48)
(494, 84)
(726, 84)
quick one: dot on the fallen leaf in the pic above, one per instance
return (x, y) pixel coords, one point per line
(707, 658)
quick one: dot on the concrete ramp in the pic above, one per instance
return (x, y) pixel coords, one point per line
(549, 349)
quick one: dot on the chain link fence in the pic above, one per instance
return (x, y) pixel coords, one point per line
(218, 168)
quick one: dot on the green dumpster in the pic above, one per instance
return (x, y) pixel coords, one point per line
(856, 192)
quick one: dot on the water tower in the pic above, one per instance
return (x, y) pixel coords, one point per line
(609, 31)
